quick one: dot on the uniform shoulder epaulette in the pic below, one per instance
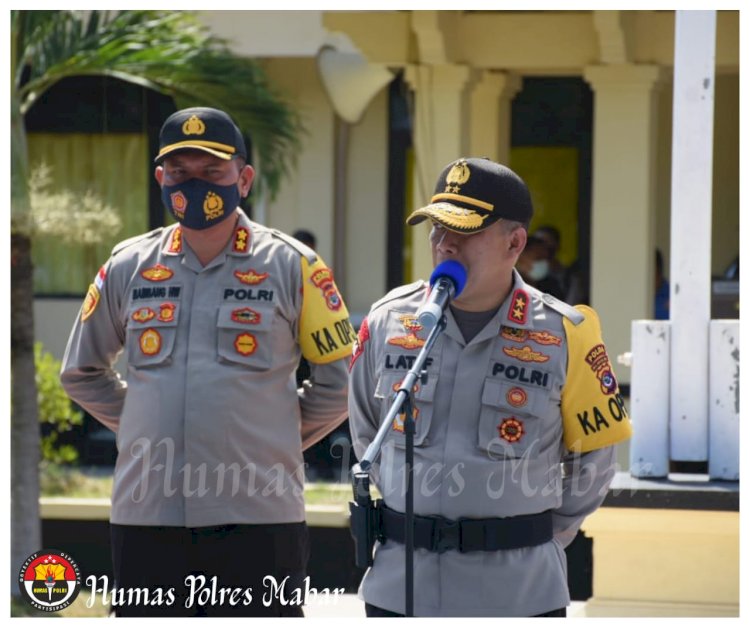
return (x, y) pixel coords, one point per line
(121, 246)
(298, 246)
(398, 293)
(568, 311)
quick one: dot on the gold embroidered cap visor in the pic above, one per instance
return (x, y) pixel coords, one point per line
(201, 128)
(472, 193)
(453, 217)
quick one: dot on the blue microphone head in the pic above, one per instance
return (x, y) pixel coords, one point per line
(454, 271)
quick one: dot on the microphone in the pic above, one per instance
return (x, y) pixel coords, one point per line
(447, 281)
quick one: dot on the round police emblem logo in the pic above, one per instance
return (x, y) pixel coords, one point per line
(49, 580)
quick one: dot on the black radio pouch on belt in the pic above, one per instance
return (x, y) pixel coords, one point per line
(365, 520)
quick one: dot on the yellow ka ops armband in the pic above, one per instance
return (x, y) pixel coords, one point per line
(593, 411)
(325, 333)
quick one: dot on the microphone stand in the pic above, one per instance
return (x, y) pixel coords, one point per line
(403, 403)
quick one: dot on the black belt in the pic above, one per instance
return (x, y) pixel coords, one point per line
(439, 534)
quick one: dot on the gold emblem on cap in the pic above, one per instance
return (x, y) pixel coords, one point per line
(457, 176)
(458, 217)
(213, 206)
(193, 126)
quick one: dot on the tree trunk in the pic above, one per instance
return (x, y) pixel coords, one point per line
(25, 533)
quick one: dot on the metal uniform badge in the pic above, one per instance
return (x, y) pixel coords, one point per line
(250, 277)
(545, 338)
(514, 334)
(525, 354)
(159, 272)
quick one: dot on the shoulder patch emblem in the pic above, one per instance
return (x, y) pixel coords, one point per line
(250, 277)
(598, 360)
(323, 279)
(90, 301)
(157, 273)
(525, 354)
(363, 335)
(518, 312)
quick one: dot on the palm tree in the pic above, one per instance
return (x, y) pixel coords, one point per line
(169, 52)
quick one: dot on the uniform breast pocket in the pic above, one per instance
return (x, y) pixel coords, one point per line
(244, 336)
(386, 391)
(511, 419)
(151, 332)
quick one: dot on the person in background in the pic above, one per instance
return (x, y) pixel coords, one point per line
(534, 266)
(551, 239)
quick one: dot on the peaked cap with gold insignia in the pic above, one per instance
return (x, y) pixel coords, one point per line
(472, 193)
(201, 128)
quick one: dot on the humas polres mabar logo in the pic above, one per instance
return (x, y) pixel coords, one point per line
(50, 580)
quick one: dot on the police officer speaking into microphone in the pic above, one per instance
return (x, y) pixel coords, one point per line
(213, 313)
(516, 416)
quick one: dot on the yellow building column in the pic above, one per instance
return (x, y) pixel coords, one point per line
(490, 119)
(441, 134)
(623, 213)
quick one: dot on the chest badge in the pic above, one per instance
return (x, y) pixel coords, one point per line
(525, 354)
(246, 316)
(545, 338)
(150, 342)
(245, 344)
(407, 342)
(511, 430)
(516, 397)
(166, 312)
(157, 273)
(143, 315)
(250, 277)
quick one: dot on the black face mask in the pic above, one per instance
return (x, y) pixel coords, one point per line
(198, 204)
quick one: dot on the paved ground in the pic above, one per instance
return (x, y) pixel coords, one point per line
(349, 605)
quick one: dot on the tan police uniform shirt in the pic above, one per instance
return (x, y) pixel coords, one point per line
(497, 422)
(210, 425)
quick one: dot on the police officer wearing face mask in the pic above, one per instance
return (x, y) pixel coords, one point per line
(516, 418)
(213, 313)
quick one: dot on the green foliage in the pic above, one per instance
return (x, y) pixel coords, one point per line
(167, 51)
(55, 408)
